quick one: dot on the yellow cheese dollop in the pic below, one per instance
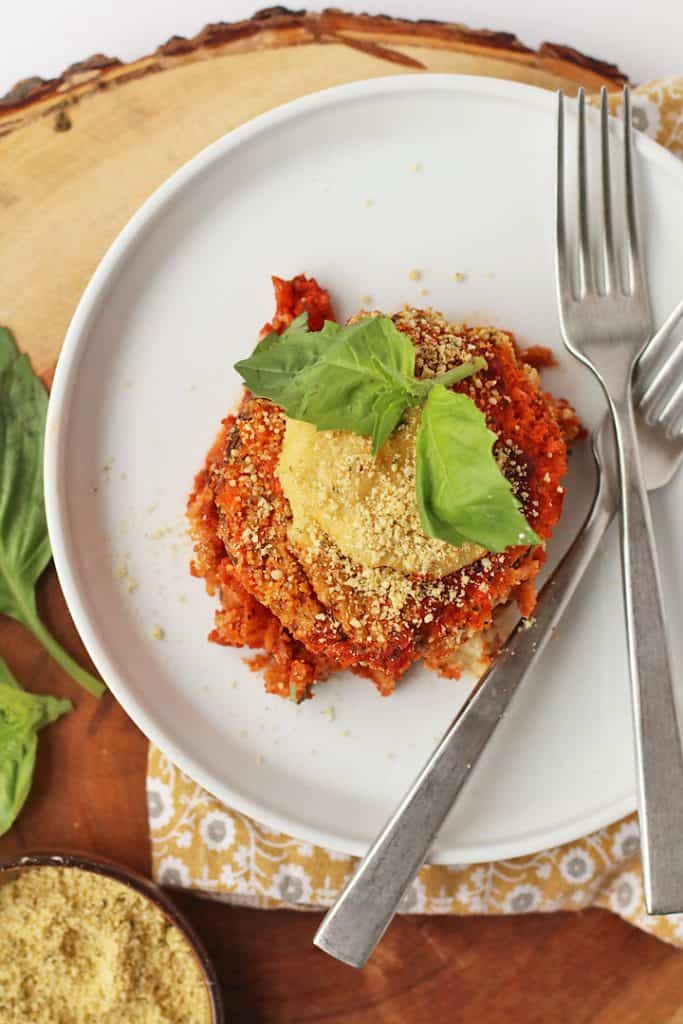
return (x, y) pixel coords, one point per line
(365, 504)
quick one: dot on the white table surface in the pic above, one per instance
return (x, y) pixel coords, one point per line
(42, 37)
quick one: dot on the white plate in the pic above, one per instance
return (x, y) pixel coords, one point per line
(328, 185)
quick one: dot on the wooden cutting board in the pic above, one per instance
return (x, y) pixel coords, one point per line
(78, 155)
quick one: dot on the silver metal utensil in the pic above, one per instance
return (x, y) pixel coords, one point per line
(606, 322)
(353, 927)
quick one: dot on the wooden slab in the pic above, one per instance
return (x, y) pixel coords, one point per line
(78, 154)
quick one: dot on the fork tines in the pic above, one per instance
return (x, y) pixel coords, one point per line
(602, 277)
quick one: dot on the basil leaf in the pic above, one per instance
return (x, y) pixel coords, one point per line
(387, 412)
(8, 350)
(299, 323)
(267, 341)
(278, 358)
(6, 677)
(461, 493)
(362, 383)
(22, 714)
(24, 543)
(357, 377)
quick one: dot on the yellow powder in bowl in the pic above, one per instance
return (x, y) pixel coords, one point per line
(80, 948)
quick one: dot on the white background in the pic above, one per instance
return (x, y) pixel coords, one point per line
(42, 37)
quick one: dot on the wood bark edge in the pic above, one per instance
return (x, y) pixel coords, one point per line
(276, 27)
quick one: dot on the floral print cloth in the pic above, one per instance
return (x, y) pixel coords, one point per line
(200, 844)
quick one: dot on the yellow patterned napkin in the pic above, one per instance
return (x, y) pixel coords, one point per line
(198, 843)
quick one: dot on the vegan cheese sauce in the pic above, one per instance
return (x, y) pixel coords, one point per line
(365, 504)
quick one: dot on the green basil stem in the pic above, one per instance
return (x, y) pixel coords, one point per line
(460, 372)
(64, 660)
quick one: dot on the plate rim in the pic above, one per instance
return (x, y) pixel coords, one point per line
(74, 345)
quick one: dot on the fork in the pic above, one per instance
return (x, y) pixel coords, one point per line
(606, 322)
(355, 924)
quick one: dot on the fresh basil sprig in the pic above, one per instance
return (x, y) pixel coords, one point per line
(361, 377)
(22, 714)
(358, 377)
(24, 543)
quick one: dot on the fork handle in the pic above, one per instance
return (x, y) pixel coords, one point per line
(659, 757)
(357, 921)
